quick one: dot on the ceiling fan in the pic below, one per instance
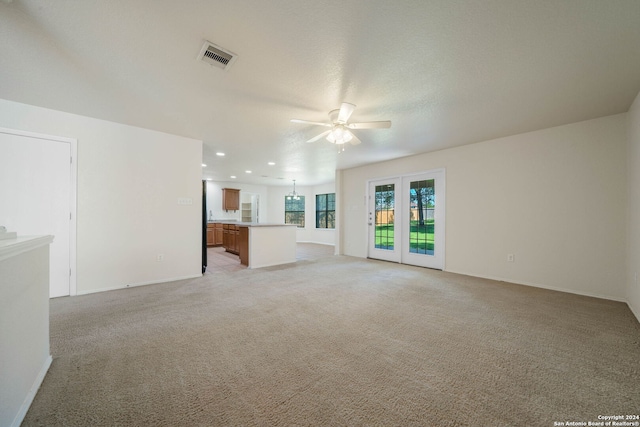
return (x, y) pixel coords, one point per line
(340, 132)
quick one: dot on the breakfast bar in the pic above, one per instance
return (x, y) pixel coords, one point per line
(257, 244)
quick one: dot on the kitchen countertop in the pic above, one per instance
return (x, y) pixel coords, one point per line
(252, 224)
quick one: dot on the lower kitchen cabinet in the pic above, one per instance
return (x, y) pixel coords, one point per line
(214, 234)
(211, 239)
(231, 238)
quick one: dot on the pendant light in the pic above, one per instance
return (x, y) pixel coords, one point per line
(293, 195)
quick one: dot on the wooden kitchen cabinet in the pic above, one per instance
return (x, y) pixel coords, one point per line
(236, 243)
(211, 239)
(243, 245)
(225, 236)
(217, 236)
(214, 234)
(230, 238)
(233, 237)
(230, 199)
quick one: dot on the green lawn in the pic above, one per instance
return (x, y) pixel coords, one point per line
(384, 236)
(420, 237)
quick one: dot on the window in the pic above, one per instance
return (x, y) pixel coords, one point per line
(385, 200)
(326, 210)
(294, 210)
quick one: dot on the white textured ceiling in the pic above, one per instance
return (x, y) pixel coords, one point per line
(446, 73)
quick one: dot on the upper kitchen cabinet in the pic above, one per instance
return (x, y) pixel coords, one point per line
(230, 199)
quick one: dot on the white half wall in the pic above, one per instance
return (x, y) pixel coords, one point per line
(129, 183)
(633, 217)
(309, 233)
(556, 198)
(24, 324)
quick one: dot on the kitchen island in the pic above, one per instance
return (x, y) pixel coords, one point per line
(260, 245)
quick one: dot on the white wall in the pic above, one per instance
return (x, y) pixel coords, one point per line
(129, 180)
(309, 233)
(24, 324)
(214, 200)
(633, 260)
(556, 198)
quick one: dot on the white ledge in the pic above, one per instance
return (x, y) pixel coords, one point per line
(12, 247)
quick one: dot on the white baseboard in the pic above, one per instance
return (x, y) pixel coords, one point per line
(634, 311)
(133, 285)
(537, 285)
(315, 243)
(32, 393)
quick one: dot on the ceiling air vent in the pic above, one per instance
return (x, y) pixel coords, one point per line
(216, 56)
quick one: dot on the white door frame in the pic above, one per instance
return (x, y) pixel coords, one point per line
(73, 181)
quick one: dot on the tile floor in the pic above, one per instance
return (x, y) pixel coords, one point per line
(219, 260)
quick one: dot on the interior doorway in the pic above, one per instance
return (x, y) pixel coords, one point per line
(250, 207)
(38, 193)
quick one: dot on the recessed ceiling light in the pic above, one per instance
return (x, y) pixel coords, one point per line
(233, 176)
(219, 153)
(271, 163)
(247, 171)
(204, 166)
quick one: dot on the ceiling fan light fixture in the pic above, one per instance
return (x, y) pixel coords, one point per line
(348, 136)
(340, 128)
(339, 135)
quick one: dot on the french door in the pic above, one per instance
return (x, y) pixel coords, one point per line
(406, 219)
(384, 229)
(423, 219)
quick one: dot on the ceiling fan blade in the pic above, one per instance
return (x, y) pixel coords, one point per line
(355, 140)
(317, 137)
(346, 110)
(307, 122)
(370, 125)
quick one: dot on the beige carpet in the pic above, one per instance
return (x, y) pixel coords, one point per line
(338, 341)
